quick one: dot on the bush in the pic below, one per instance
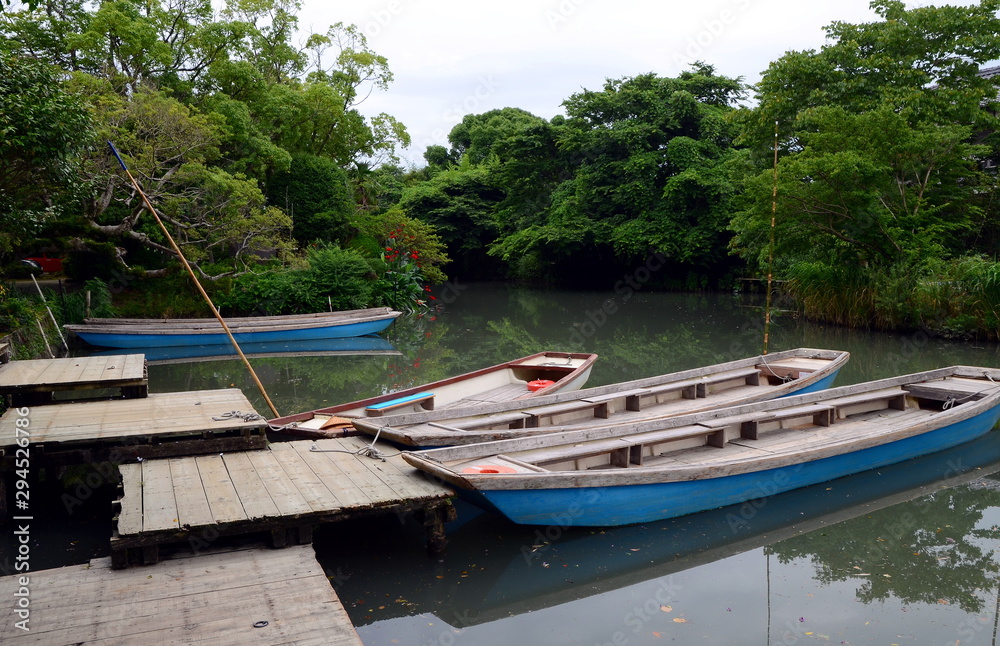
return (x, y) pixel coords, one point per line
(333, 277)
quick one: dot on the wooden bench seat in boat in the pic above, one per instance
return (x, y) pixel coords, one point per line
(516, 419)
(750, 376)
(863, 403)
(959, 390)
(624, 451)
(821, 414)
(426, 401)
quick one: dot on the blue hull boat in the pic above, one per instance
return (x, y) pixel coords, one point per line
(153, 333)
(648, 471)
(359, 345)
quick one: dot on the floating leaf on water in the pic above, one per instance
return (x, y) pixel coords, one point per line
(680, 620)
(666, 608)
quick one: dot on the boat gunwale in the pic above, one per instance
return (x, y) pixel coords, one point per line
(588, 359)
(405, 428)
(433, 461)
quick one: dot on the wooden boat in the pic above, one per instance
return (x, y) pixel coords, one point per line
(726, 384)
(640, 472)
(531, 376)
(144, 333)
(347, 346)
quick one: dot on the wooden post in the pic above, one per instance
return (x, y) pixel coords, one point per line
(86, 311)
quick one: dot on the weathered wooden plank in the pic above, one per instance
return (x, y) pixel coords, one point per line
(193, 509)
(130, 516)
(222, 497)
(327, 467)
(161, 415)
(283, 493)
(357, 474)
(159, 510)
(311, 486)
(253, 494)
(208, 599)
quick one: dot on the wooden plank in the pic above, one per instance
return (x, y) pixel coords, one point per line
(209, 599)
(326, 465)
(253, 494)
(159, 416)
(193, 509)
(222, 497)
(130, 516)
(357, 474)
(159, 510)
(315, 493)
(283, 493)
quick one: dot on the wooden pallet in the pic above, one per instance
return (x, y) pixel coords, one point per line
(283, 491)
(36, 382)
(233, 598)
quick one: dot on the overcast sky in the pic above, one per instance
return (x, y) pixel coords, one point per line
(455, 57)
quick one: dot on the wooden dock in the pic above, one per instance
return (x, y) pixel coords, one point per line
(36, 382)
(284, 490)
(162, 424)
(237, 598)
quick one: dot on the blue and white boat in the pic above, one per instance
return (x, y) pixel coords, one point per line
(347, 346)
(147, 333)
(646, 471)
(741, 381)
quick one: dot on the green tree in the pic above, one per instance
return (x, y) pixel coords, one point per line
(878, 164)
(641, 169)
(460, 204)
(314, 192)
(44, 128)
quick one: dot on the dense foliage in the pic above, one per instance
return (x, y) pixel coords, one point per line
(258, 158)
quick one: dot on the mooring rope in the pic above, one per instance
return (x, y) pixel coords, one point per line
(954, 401)
(783, 378)
(237, 414)
(368, 451)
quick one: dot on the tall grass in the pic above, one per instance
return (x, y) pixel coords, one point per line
(957, 298)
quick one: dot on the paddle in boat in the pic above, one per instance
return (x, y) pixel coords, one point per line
(726, 384)
(146, 333)
(645, 471)
(528, 377)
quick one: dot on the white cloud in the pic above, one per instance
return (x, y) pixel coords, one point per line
(454, 57)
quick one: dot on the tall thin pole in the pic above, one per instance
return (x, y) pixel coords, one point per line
(201, 289)
(51, 316)
(770, 257)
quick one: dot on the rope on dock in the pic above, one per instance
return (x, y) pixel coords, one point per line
(368, 451)
(236, 414)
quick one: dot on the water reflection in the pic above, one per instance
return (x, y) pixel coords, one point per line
(910, 532)
(867, 559)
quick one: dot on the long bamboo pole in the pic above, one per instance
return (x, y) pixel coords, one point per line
(770, 258)
(197, 283)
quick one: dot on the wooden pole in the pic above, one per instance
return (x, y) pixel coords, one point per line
(770, 259)
(201, 289)
(51, 315)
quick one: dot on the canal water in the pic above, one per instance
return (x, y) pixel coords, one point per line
(902, 555)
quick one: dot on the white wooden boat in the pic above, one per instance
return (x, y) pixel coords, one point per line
(726, 384)
(639, 472)
(531, 376)
(146, 333)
